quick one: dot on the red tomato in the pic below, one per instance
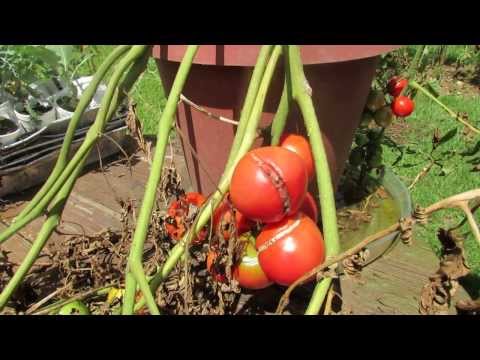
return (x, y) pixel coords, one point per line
(269, 183)
(248, 273)
(403, 106)
(224, 214)
(309, 207)
(299, 145)
(297, 248)
(396, 85)
(195, 198)
(178, 211)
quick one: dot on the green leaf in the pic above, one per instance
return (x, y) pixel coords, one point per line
(66, 53)
(448, 136)
(445, 171)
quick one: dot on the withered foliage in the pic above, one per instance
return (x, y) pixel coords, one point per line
(436, 296)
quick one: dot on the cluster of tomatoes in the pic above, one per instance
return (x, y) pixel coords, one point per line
(377, 108)
(270, 212)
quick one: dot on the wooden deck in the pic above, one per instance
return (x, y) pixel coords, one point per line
(391, 285)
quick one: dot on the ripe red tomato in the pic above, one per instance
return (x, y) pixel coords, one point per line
(297, 248)
(309, 207)
(178, 211)
(269, 183)
(299, 145)
(223, 215)
(396, 85)
(403, 106)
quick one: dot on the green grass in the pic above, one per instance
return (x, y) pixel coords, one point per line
(148, 92)
(150, 98)
(454, 53)
(437, 184)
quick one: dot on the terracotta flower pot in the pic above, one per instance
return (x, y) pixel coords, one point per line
(340, 77)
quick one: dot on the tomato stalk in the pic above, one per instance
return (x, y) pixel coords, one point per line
(85, 99)
(93, 134)
(245, 140)
(135, 272)
(59, 202)
(280, 118)
(301, 93)
(452, 113)
(257, 75)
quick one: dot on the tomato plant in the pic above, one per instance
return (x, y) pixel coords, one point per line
(396, 85)
(290, 248)
(384, 117)
(223, 217)
(375, 100)
(299, 145)
(403, 106)
(177, 213)
(269, 183)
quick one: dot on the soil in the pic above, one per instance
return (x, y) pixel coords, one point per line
(36, 107)
(40, 108)
(7, 126)
(68, 103)
(464, 80)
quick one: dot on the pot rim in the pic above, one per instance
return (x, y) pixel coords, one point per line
(246, 55)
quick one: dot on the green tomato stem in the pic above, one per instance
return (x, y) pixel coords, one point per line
(280, 119)
(135, 272)
(257, 75)
(318, 296)
(302, 95)
(452, 113)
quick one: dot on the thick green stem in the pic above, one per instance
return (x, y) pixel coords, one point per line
(55, 213)
(452, 113)
(32, 254)
(280, 119)
(302, 95)
(246, 142)
(257, 75)
(92, 135)
(318, 296)
(85, 99)
(135, 272)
